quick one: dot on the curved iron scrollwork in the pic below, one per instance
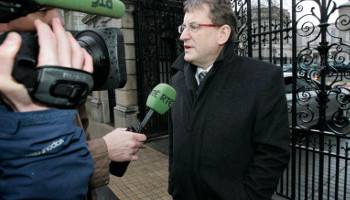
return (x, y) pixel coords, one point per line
(322, 57)
(240, 9)
(324, 63)
(343, 22)
(275, 26)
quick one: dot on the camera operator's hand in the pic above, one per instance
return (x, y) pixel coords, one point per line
(13, 93)
(57, 47)
(123, 145)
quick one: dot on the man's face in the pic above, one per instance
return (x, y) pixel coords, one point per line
(201, 46)
(27, 23)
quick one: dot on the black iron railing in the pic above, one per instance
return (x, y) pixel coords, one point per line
(301, 32)
(157, 46)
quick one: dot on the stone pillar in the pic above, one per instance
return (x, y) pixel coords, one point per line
(96, 107)
(125, 113)
(73, 21)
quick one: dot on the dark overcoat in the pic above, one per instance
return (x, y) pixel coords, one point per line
(229, 136)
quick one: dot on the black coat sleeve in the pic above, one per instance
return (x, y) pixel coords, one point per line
(170, 137)
(271, 139)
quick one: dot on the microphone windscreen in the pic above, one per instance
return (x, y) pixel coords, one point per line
(110, 8)
(161, 98)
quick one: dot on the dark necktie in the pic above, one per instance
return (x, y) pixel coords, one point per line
(201, 76)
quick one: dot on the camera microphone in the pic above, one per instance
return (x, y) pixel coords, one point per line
(14, 9)
(110, 8)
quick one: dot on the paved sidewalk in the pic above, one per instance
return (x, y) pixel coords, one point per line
(145, 179)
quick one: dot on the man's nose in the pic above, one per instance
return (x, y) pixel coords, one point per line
(185, 35)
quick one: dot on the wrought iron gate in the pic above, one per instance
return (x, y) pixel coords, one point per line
(156, 44)
(304, 32)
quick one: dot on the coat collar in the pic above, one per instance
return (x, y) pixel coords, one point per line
(189, 69)
(227, 51)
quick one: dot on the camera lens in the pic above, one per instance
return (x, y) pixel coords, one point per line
(96, 47)
(106, 46)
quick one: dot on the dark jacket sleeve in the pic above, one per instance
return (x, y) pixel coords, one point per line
(98, 150)
(170, 136)
(271, 139)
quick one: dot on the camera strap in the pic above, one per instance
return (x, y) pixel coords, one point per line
(57, 86)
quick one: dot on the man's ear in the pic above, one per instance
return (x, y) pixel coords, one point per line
(224, 34)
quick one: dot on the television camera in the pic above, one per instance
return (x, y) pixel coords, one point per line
(66, 87)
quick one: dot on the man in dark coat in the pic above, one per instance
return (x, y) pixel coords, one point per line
(229, 132)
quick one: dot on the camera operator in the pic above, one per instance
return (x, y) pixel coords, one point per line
(44, 155)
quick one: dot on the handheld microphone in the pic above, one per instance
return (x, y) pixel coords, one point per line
(160, 100)
(110, 8)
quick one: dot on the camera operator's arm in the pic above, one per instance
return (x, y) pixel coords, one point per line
(118, 145)
(56, 48)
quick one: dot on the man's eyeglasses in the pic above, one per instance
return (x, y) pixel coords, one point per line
(193, 27)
